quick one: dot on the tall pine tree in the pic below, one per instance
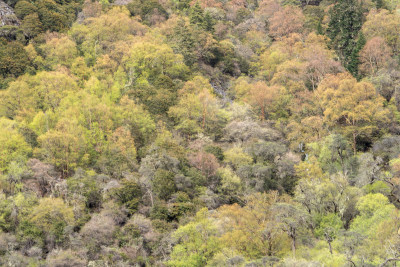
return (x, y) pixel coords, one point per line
(346, 19)
(183, 42)
(355, 57)
(196, 14)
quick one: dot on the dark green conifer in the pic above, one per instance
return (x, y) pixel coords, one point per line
(355, 57)
(184, 42)
(346, 19)
(208, 23)
(196, 15)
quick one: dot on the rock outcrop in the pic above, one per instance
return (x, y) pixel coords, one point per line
(7, 15)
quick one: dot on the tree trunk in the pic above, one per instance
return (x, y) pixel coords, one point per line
(294, 245)
(354, 143)
(151, 197)
(330, 247)
(262, 112)
(204, 118)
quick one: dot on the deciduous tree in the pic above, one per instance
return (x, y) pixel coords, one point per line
(286, 21)
(374, 56)
(261, 96)
(354, 105)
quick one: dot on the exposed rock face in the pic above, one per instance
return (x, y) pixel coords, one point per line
(7, 15)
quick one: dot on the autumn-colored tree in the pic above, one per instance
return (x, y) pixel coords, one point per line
(261, 96)
(205, 162)
(266, 8)
(291, 74)
(120, 119)
(382, 23)
(319, 60)
(375, 55)
(353, 105)
(286, 21)
(91, 9)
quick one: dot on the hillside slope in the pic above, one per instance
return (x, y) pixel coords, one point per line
(199, 133)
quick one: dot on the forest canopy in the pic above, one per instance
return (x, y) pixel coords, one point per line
(199, 133)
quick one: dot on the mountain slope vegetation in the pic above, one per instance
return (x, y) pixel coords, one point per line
(200, 133)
